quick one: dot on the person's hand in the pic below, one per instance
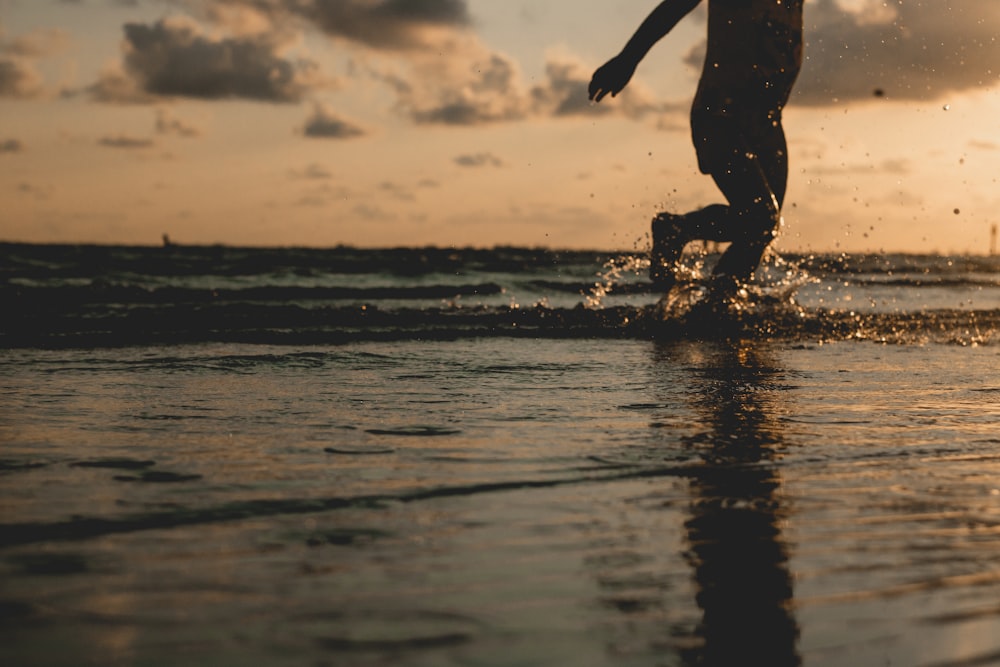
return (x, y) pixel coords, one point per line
(611, 78)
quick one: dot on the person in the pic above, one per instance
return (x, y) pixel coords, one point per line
(753, 57)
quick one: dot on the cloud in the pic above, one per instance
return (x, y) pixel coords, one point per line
(167, 123)
(174, 58)
(115, 86)
(564, 92)
(479, 160)
(984, 145)
(11, 146)
(396, 191)
(313, 172)
(373, 213)
(427, 54)
(127, 142)
(325, 124)
(907, 50)
(379, 24)
(18, 79)
(487, 90)
(39, 192)
(475, 86)
(40, 43)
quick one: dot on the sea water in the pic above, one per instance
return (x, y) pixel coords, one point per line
(510, 457)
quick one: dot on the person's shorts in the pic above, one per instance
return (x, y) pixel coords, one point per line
(723, 140)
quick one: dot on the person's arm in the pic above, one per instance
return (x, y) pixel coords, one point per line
(614, 75)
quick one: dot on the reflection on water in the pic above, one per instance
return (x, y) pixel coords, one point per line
(734, 534)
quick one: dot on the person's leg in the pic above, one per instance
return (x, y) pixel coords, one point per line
(672, 232)
(670, 235)
(750, 167)
(752, 217)
(753, 179)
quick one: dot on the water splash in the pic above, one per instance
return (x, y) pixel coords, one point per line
(611, 276)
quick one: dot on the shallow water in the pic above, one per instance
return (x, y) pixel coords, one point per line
(501, 501)
(219, 456)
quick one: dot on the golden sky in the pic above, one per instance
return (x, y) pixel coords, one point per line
(465, 122)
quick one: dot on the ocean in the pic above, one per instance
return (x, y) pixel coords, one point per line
(441, 456)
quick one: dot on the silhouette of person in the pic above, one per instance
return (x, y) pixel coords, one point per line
(753, 58)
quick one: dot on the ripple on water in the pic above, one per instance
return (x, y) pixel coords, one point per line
(387, 631)
(414, 431)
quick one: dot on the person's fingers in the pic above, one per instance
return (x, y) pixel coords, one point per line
(595, 88)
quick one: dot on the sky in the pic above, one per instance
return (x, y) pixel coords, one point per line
(466, 123)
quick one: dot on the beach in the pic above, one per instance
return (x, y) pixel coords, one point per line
(495, 458)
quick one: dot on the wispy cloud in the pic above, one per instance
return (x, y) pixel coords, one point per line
(126, 142)
(11, 146)
(312, 172)
(324, 123)
(167, 123)
(40, 43)
(479, 160)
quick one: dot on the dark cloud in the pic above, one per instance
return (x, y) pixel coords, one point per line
(380, 24)
(172, 58)
(325, 124)
(899, 50)
(124, 141)
(11, 146)
(479, 160)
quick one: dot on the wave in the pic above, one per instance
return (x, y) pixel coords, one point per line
(297, 324)
(79, 296)
(109, 294)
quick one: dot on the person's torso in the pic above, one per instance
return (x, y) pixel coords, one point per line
(754, 53)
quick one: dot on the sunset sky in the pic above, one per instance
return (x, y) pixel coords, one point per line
(465, 122)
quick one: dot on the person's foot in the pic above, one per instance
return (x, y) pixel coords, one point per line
(668, 244)
(723, 288)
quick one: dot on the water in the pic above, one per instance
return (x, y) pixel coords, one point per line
(436, 457)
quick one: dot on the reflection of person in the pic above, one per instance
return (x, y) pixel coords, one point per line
(734, 528)
(754, 55)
